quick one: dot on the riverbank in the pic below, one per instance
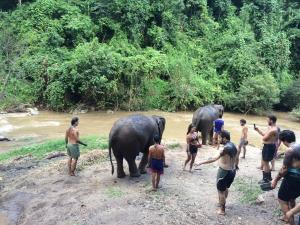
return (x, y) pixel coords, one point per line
(39, 192)
(39, 151)
(46, 126)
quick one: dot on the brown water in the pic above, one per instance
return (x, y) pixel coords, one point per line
(50, 125)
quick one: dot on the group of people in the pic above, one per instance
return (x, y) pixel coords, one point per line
(228, 160)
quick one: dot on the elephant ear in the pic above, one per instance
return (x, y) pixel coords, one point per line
(160, 121)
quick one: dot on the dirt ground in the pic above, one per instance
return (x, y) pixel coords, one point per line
(41, 193)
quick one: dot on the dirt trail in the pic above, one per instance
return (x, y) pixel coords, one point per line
(44, 195)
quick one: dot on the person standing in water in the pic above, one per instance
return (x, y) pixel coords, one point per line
(290, 172)
(156, 159)
(227, 169)
(243, 141)
(193, 144)
(218, 127)
(72, 144)
(269, 139)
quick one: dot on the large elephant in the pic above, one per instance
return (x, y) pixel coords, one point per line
(131, 135)
(203, 120)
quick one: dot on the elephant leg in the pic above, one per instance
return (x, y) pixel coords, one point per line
(143, 164)
(204, 137)
(133, 168)
(120, 169)
(211, 134)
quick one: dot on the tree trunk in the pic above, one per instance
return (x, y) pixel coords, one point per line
(20, 2)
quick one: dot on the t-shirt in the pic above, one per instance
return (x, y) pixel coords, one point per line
(230, 149)
(218, 125)
(228, 156)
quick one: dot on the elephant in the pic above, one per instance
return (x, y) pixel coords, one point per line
(131, 135)
(203, 120)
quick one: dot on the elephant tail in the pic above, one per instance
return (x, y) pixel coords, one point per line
(112, 165)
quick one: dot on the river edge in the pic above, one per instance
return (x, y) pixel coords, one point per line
(43, 193)
(25, 130)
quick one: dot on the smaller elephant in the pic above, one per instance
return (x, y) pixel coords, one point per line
(203, 120)
(131, 135)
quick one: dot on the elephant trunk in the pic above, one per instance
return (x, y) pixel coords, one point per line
(112, 165)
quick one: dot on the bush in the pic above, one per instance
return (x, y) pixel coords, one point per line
(296, 113)
(256, 94)
(291, 97)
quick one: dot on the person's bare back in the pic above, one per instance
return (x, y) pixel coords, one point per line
(72, 133)
(157, 152)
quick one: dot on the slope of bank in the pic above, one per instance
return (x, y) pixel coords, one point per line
(38, 191)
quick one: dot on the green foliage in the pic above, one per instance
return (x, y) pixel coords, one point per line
(141, 54)
(249, 189)
(257, 94)
(291, 97)
(296, 113)
(39, 151)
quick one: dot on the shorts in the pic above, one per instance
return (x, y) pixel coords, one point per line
(193, 149)
(73, 151)
(157, 166)
(289, 188)
(268, 152)
(243, 142)
(224, 179)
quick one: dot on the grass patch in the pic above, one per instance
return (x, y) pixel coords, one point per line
(40, 150)
(173, 145)
(249, 188)
(114, 192)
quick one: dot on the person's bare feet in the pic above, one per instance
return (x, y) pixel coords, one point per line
(72, 174)
(153, 189)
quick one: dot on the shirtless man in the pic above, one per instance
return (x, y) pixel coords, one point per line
(156, 160)
(226, 172)
(72, 145)
(290, 172)
(243, 141)
(269, 139)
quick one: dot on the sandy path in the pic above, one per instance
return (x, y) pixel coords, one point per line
(44, 194)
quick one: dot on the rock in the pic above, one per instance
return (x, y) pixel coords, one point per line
(2, 138)
(32, 111)
(110, 112)
(19, 109)
(260, 199)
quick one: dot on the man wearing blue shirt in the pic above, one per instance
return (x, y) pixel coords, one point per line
(218, 128)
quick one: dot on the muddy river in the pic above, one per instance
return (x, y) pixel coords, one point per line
(46, 125)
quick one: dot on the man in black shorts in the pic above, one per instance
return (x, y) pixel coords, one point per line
(269, 140)
(290, 171)
(227, 169)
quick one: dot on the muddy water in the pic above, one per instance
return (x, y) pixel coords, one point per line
(50, 125)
